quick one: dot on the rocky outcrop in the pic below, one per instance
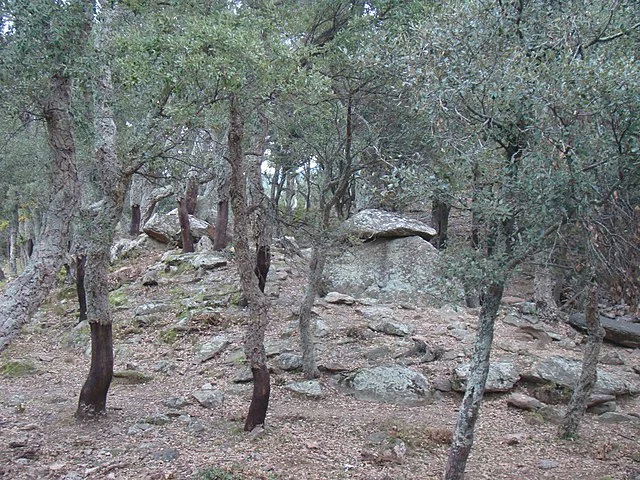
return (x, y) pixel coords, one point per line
(370, 224)
(565, 373)
(391, 270)
(389, 384)
(622, 333)
(165, 227)
(502, 377)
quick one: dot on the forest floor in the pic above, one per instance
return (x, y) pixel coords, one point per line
(334, 437)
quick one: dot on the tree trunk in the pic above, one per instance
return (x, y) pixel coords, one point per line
(2, 275)
(440, 220)
(136, 218)
(155, 197)
(113, 186)
(13, 239)
(543, 289)
(306, 323)
(93, 396)
(191, 192)
(258, 307)
(470, 406)
(589, 374)
(259, 205)
(81, 262)
(185, 228)
(222, 221)
(27, 292)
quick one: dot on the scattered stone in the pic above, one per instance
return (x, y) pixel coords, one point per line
(502, 377)
(599, 399)
(611, 358)
(209, 398)
(205, 245)
(139, 428)
(622, 333)
(213, 347)
(309, 388)
(618, 417)
(565, 373)
(166, 454)
(339, 298)
(547, 464)
(392, 328)
(442, 384)
(550, 414)
(603, 408)
(256, 433)
(18, 442)
(150, 279)
(524, 402)
(390, 384)
(243, 376)
(156, 419)
(131, 377)
(289, 361)
(514, 438)
(150, 309)
(537, 332)
(526, 308)
(164, 366)
(277, 347)
(204, 261)
(176, 402)
(78, 337)
(195, 426)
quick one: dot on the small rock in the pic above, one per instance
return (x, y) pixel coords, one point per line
(209, 398)
(611, 358)
(195, 426)
(18, 442)
(139, 428)
(131, 377)
(164, 366)
(514, 438)
(547, 464)
(600, 398)
(603, 408)
(309, 388)
(392, 328)
(166, 454)
(339, 298)
(150, 279)
(527, 308)
(151, 308)
(524, 402)
(213, 347)
(243, 376)
(502, 377)
(256, 433)
(289, 361)
(175, 402)
(442, 384)
(157, 419)
(616, 417)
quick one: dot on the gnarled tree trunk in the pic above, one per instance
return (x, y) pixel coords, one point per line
(105, 214)
(258, 307)
(589, 374)
(185, 227)
(27, 292)
(306, 324)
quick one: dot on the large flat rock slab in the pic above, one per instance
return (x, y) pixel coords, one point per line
(371, 223)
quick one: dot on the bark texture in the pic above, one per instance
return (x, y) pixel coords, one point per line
(470, 407)
(259, 205)
(440, 220)
(589, 374)
(26, 293)
(136, 218)
(185, 227)
(81, 263)
(306, 323)
(258, 307)
(104, 216)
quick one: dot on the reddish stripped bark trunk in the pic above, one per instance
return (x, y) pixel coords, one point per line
(191, 192)
(81, 263)
(113, 185)
(185, 227)
(136, 218)
(26, 293)
(258, 306)
(222, 221)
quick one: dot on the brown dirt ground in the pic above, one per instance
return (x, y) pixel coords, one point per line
(304, 439)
